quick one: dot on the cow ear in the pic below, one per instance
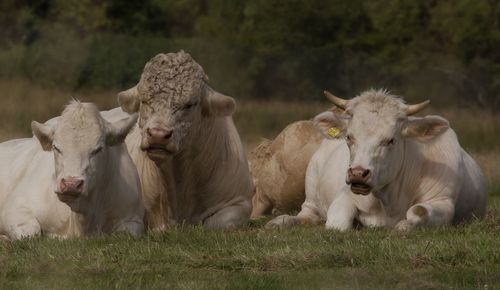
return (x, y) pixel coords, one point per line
(331, 125)
(425, 129)
(217, 104)
(117, 131)
(44, 133)
(129, 100)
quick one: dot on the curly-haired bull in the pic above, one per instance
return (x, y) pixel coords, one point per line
(190, 159)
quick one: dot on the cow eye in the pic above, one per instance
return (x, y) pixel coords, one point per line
(188, 106)
(96, 151)
(54, 147)
(388, 142)
(350, 140)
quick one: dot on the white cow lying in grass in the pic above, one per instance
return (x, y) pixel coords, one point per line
(93, 187)
(383, 168)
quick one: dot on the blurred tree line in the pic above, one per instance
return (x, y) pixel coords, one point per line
(448, 50)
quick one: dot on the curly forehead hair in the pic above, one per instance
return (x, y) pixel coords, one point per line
(171, 72)
(380, 101)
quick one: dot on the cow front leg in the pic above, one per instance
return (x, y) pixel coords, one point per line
(229, 217)
(133, 227)
(341, 213)
(431, 213)
(260, 204)
(20, 229)
(307, 215)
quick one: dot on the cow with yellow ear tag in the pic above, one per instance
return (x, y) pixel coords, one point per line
(383, 167)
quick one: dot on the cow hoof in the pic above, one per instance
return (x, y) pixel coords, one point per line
(258, 218)
(338, 226)
(404, 226)
(281, 222)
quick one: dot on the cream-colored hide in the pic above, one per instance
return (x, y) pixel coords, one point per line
(73, 179)
(279, 167)
(190, 159)
(382, 167)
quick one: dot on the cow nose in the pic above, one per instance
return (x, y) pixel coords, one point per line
(359, 174)
(158, 135)
(71, 184)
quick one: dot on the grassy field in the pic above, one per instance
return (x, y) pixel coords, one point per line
(463, 257)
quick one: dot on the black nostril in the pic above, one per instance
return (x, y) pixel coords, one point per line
(79, 184)
(148, 132)
(168, 134)
(366, 172)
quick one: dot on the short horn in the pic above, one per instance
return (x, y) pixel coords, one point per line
(337, 110)
(341, 103)
(129, 100)
(413, 109)
(132, 92)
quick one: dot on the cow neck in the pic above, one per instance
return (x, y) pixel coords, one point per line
(193, 171)
(400, 193)
(152, 177)
(86, 215)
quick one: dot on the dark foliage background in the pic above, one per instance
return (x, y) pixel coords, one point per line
(448, 50)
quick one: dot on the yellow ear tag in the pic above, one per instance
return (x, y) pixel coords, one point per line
(333, 132)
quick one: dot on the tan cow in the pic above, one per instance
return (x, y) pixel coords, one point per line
(82, 182)
(279, 167)
(190, 159)
(382, 167)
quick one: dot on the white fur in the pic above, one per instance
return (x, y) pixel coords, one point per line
(424, 179)
(28, 176)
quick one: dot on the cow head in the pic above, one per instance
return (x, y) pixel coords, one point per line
(79, 141)
(375, 126)
(172, 98)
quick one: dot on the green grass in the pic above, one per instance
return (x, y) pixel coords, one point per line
(462, 257)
